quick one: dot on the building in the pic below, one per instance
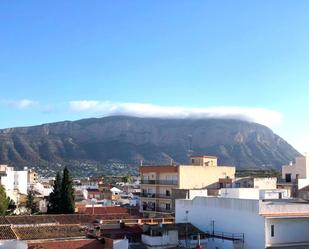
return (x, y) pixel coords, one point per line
(295, 175)
(255, 182)
(158, 182)
(15, 183)
(254, 193)
(33, 177)
(264, 223)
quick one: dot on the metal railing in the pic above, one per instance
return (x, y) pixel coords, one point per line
(161, 210)
(162, 182)
(225, 235)
(149, 195)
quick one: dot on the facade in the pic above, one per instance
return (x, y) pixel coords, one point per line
(32, 177)
(256, 182)
(295, 176)
(158, 182)
(14, 182)
(264, 223)
(254, 193)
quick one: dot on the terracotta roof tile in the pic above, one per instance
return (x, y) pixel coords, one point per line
(6, 233)
(66, 244)
(48, 232)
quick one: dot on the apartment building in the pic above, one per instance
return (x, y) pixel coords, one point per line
(158, 182)
(14, 182)
(295, 176)
(264, 223)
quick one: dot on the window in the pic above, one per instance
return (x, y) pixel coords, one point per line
(167, 193)
(288, 177)
(272, 232)
(167, 206)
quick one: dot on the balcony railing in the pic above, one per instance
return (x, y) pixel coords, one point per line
(161, 210)
(160, 182)
(149, 195)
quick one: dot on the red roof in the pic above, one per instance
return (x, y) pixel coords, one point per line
(105, 210)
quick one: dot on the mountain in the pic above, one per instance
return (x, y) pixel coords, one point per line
(117, 144)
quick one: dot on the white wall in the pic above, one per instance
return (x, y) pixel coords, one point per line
(167, 240)
(39, 187)
(13, 244)
(241, 193)
(265, 182)
(287, 230)
(197, 192)
(274, 194)
(229, 215)
(121, 244)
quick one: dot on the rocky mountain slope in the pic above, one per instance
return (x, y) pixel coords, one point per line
(117, 144)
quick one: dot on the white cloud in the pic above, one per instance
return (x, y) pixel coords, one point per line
(20, 104)
(258, 115)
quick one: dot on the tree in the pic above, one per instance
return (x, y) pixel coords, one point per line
(54, 205)
(31, 204)
(11, 206)
(61, 200)
(67, 193)
(126, 179)
(4, 201)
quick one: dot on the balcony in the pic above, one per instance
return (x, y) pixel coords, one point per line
(159, 210)
(160, 182)
(148, 181)
(157, 196)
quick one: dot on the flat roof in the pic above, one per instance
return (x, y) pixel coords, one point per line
(214, 157)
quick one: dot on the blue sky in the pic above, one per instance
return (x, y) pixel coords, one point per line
(165, 54)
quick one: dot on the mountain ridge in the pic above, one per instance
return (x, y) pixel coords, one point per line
(118, 144)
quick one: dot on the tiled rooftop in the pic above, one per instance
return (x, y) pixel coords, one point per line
(64, 218)
(6, 233)
(66, 244)
(106, 210)
(3, 220)
(48, 232)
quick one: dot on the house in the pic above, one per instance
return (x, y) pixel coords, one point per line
(295, 176)
(14, 182)
(94, 194)
(158, 182)
(255, 182)
(276, 223)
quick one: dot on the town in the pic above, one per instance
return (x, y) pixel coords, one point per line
(197, 205)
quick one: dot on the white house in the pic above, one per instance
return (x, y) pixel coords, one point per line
(254, 193)
(264, 223)
(14, 182)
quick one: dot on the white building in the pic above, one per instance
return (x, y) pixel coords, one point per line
(264, 223)
(14, 182)
(254, 193)
(255, 182)
(42, 189)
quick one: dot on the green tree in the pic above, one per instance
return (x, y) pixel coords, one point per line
(126, 179)
(31, 204)
(54, 205)
(4, 201)
(11, 206)
(67, 193)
